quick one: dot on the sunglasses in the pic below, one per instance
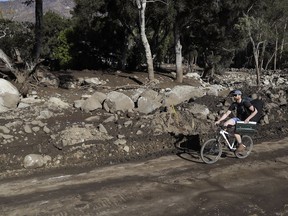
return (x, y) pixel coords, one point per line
(234, 95)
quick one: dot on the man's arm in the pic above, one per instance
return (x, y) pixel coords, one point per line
(254, 111)
(224, 116)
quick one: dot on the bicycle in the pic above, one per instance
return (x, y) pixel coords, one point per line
(212, 149)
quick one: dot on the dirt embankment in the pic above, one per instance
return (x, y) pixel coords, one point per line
(133, 137)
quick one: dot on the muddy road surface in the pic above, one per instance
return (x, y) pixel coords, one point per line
(171, 185)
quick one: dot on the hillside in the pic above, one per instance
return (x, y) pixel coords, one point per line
(63, 125)
(18, 11)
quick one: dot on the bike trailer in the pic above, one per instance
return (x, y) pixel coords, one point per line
(246, 128)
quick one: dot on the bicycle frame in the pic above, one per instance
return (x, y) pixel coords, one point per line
(223, 133)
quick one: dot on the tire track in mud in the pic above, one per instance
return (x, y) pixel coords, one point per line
(157, 187)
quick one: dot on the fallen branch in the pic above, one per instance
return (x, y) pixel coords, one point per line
(7, 61)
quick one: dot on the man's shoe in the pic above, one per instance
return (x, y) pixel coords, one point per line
(240, 148)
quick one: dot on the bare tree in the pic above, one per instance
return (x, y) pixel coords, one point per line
(178, 52)
(141, 4)
(20, 69)
(283, 39)
(23, 70)
(253, 28)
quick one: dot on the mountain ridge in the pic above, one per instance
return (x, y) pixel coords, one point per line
(17, 11)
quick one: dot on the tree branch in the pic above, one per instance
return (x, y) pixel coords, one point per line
(6, 60)
(250, 8)
(4, 32)
(162, 1)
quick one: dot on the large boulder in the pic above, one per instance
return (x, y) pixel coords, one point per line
(149, 101)
(147, 105)
(94, 102)
(182, 93)
(117, 101)
(199, 111)
(9, 96)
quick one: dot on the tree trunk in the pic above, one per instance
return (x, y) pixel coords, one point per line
(256, 59)
(124, 54)
(178, 53)
(261, 59)
(269, 60)
(275, 56)
(258, 69)
(283, 41)
(38, 29)
(142, 7)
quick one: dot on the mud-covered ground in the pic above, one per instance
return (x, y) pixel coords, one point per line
(174, 185)
(97, 153)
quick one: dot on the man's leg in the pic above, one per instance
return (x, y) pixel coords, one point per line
(229, 122)
(238, 138)
(240, 147)
(233, 121)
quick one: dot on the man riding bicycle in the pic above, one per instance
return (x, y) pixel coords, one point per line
(240, 106)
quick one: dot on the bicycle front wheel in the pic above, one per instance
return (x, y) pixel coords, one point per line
(248, 142)
(211, 151)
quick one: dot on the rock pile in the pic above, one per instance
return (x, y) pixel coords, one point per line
(113, 121)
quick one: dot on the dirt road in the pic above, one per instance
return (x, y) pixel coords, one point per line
(173, 185)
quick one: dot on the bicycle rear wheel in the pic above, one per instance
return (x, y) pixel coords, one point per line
(211, 151)
(248, 142)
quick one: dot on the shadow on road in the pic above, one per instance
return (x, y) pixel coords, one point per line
(188, 146)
